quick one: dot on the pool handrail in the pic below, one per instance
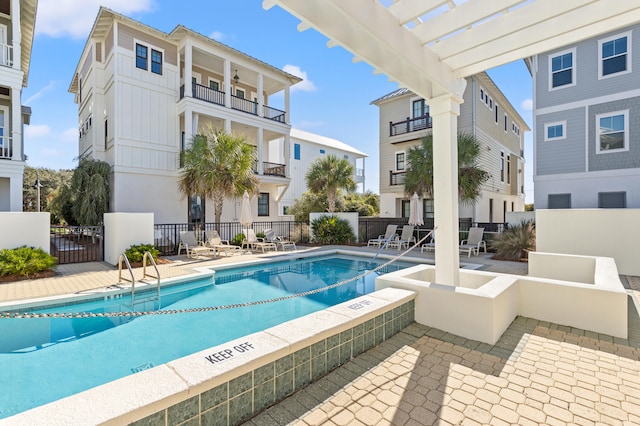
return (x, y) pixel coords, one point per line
(122, 257)
(148, 255)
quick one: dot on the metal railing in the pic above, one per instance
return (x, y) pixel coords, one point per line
(410, 125)
(6, 147)
(397, 178)
(244, 105)
(273, 169)
(274, 114)
(6, 55)
(77, 244)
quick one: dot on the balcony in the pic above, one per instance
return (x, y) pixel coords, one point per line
(271, 169)
(396, 178)
(410, 125)
(6, 148)
(6, 55)
(213, 96)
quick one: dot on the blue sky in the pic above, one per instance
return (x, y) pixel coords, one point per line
(333, 101)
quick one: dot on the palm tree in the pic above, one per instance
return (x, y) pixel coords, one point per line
(328, 175)
(218, 165)
(419, 177)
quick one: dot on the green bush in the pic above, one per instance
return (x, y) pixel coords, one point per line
(135, 253)
(515, 242)
(237, 240)
(25, 261)
(331, 230)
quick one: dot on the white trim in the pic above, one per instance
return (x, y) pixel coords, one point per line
(598, 174)
(588, 102)
(197, 76)
(412, 100)
(216, 81)
(629, 61)
(554, 124)
(574, 64)
(395, 161)
(625, 114)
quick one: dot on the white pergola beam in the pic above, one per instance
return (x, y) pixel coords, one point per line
(408, 10)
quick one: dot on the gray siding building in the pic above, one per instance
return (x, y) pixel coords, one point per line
(587, 123)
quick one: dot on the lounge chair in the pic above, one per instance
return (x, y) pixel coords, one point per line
(430, 246)
(473, 242)
(218, 244)
(252, 242)
(405, 239)
(271, 237)
(388, 234)
(192, 247)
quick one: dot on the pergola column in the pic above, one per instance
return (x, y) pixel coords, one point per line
(444, 111)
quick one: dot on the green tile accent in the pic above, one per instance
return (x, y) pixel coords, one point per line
(318, 348)
(346, 336)
(217, 416)
(379, 320)
(388, 331)
(369, 340)
(284, 385)
(240, 384)
(345, 352)
(156, 419)
(264, 373)
(240, 407)
(388, 316)
(302, 375)
(333, 341)
(194, 421)
(397, 311)
(357, 346)
(358, 330)
(284, 364)
(379, 335)
(318, 366)
(302, 356)
(263, 395)
(214, 396)
(183, 410)
(369, 325)
(333, 358)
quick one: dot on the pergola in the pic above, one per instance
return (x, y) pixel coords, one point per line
(430, 46)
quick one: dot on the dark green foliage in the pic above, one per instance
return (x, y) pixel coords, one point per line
(25, 261)
(237, 240)
(367, 204)
(328, 176)
(331, 230)
(529, 207)
(135, 253)
(52, 183)
(515, 242)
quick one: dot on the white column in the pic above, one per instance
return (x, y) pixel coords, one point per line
(445, 110)
(227, 85)
(194, 123)
(188, 129)
(287, 105)
(287, 155)
(260, 96)
(260, 150)
(227, 125)
(17, 36)
(188, 68)
(16, 124)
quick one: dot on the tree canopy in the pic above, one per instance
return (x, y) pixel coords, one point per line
(328, 175)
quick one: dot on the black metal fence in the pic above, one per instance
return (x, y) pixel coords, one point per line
(77, 244)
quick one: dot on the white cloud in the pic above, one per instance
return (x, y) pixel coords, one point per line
(74, 18)
(527, 104)
(217, 35)
(70, 135)
(40, 92)
(305, 85)
(37, 131)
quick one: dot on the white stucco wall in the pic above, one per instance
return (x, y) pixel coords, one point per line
(122, 230)
(592, 232)
(20, 229)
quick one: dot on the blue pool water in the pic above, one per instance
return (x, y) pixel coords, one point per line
(43, 360)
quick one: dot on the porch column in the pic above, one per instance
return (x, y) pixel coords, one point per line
(188, 129)
(227, 125)
(194, 123)
(16, 125)
(287, 105)
(188, 68)
(287, 155)
(260, 96)
(445, 110)
(15, 30)
(227, 84)
(260, 150)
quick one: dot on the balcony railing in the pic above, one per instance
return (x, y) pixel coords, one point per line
(271, 169)
(397, 178)
(6, 55)
(410, 125)
(6, 148)
(213, 96)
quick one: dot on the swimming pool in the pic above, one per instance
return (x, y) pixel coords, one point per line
(46, 359)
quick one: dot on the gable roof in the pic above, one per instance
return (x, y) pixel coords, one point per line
(325, 141)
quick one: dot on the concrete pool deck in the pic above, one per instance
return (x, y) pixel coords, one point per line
(536, 373)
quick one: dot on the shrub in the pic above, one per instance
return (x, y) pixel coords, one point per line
(331, 230)
(25, 261)
(515, 242)
(135, 253)
(237, 240)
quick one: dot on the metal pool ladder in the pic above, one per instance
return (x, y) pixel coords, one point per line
(147, 255)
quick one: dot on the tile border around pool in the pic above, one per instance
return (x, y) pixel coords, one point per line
(234, 381)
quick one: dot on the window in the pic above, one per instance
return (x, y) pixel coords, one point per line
(285, 209)
(555, 131)
(141, 56)
(562, 70)
(296, 151)
(490, 210)
(406, 208)
(106, 133)
(263, 204)
(614, 55)
(508, 170)
(399, 161)
(427, 208)
(496, 113)
(345, 156)
(559, 201)
(612, 200)
(612, 131)
(502, 167)
(214, 85)
(322, 151)
(240, 93)
(156, 62)
(506, 120)
(420, 109)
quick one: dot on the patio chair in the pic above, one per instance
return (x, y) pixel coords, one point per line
(405, 239)
(388, 234)
(430, 246)
(218, 244)
(473, 242)
(271, 237)
(252, 242)
(192, 247)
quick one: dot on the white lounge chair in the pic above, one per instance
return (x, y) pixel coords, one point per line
(218, 244)
(388, 234)
(271, 237)
(191, 246)
(405, 239)
(430, 246)
(473, 242)
(252, 242)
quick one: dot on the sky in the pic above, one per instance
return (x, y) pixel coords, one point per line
(333, 101)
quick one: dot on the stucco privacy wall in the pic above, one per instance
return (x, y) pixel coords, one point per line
(20, 229)
(122, 230)
(592, 232)
(352, 218)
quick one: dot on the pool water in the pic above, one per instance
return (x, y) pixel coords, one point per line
(47, 359)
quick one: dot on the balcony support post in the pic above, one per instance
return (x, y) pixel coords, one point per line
(260, 151)
(287, 105)
(16, 125)
(260, 96)
(227, 83)
(15, 30)
(188, 68)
